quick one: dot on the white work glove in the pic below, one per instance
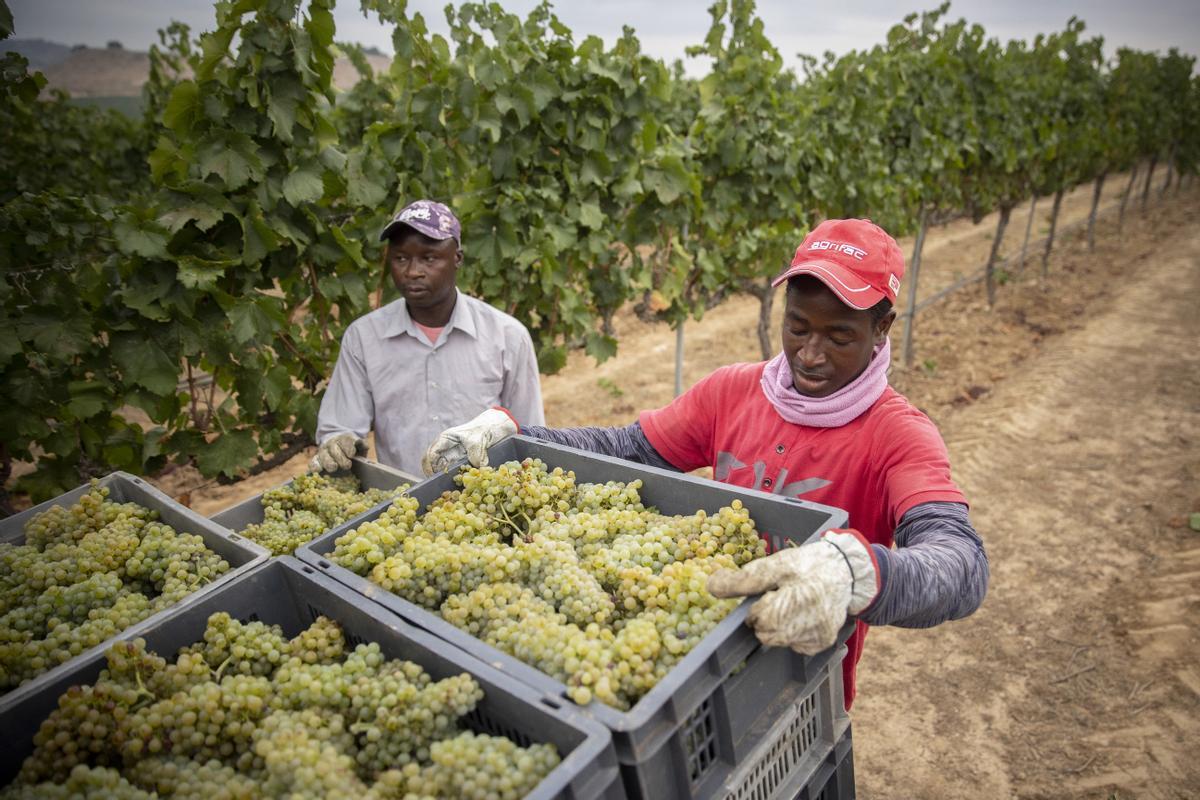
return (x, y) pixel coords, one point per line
(469, 440)
(335, 453)
(810, 591)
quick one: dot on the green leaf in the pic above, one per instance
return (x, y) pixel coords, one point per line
(362, 189)
(6, 21)
(258, 240)
(303, 186)
(600, 347)
(254, 319)
(140, 239)
(277, 386)
(199, 273)
(10, 345)
(143, 362)
(195, 202)
(143, 297)
(551, 359)
(183, 108)
(320, 26)
(227, 453)
(88, 402)
(232, 158)
(591, 216)
(352, 248)
(214, 47)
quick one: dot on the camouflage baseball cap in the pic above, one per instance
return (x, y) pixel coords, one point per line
(431, 218)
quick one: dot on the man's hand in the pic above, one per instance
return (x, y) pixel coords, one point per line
(335, 453)
(810, 590)
(469, 440)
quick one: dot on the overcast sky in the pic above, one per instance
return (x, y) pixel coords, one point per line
(665, 27)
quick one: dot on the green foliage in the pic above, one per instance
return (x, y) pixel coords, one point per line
(231, 231)
(761, 179)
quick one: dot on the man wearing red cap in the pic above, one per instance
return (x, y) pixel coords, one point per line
(433, 358)
(820, 422)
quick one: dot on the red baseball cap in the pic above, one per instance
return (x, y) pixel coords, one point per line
(855, 258)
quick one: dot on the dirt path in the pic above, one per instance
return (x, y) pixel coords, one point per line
(1080, 677)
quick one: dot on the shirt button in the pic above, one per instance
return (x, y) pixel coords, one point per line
(779, 449)
(433, 385)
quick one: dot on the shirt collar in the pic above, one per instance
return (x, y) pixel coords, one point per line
(402, 322)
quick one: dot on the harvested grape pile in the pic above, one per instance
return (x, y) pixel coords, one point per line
(298, 512)
(581, 580)
(249, 713)
(85, 573)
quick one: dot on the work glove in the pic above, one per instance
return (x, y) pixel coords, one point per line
(335, 453)
(810, 591)
(469, 440)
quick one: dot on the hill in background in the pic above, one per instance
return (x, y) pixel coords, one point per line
(103, 74)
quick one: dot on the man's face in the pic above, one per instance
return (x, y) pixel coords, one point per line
(423, 268)
(827, 343)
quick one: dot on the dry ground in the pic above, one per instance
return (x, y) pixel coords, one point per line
(1072, 415)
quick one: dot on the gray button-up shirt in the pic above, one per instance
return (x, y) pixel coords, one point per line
(389, 376)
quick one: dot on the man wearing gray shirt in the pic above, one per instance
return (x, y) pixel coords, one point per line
(433, 359)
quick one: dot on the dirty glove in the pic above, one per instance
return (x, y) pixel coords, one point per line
(335, 453)
(469, 440)
(810, 590)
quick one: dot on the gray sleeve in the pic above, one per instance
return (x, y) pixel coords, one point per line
(348, 405)
(521, 393)
(629, 442)
(938, 571)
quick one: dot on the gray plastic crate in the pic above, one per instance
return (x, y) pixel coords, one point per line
(799, 744)
(835, 777)
(689, 733)
(370, 474)
(242, 554)
(290, 594)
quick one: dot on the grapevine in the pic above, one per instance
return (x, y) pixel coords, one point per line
(230, 232)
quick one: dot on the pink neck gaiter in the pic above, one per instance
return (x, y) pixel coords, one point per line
(839, 408)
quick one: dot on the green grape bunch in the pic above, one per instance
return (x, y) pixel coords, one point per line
(86, 572)
(246, 712)
(580, 580)
(300, 511)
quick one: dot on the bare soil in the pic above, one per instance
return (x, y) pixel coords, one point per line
(1072, 415)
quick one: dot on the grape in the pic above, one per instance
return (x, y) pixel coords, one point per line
(300, 511)
(85, 727)
(425, 570)
(84, 783)
(87, 572)
(184, 779)
(581, 580)
(360, 549)
(299, 762)
(323, 723)
(319, 643)
(234, 648)
(553, 569)
(476, 766)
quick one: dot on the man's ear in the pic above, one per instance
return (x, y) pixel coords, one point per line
(885, 325)
(458, 257)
